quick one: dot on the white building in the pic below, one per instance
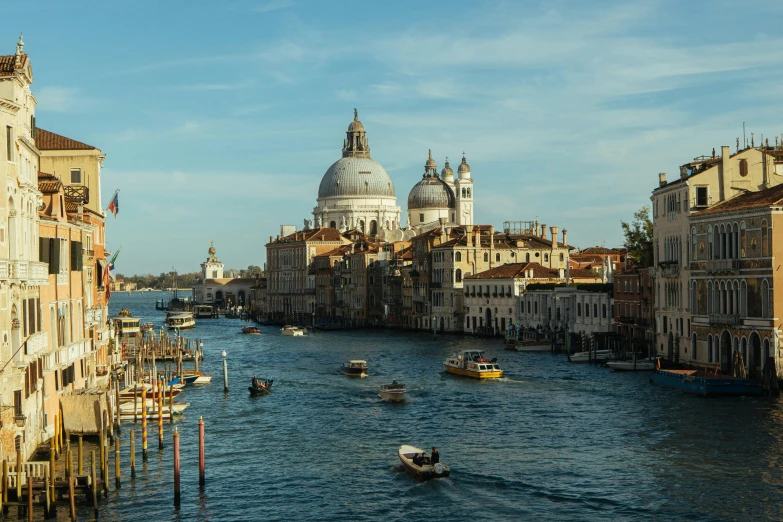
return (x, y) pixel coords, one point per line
(218, 291)
(581, 311)
(435, 199)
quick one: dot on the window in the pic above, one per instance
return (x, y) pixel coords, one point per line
(595, 310)
(764, 239)
(458, 256)
(546, 258)
(486, 257)
(76, 176)
(702, 196)
(458, 276)
(421, 218)
(9, 143)
(694, 348)
(604, 311)
(743, 167)
(497, 257)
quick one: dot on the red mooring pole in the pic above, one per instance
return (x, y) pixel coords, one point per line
(201, 477)
(176, 467)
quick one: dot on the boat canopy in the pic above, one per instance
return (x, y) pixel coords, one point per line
(357, 362)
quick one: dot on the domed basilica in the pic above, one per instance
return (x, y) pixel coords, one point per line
(357, 193)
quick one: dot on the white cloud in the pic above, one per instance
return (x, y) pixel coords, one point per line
(59, 99)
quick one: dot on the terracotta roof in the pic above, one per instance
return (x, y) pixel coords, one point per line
(582, 273)
(510, 270)
(7, 64)
(602, 251)
(318, 234)
(71, 206)
(46, 140)
(763, 198)
(339, 251)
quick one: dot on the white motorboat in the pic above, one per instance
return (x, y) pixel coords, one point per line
(421, 470)
(292, 331)
(355, 368)
(595, 356)
(394, 392)
(640, 365)
(180, 320)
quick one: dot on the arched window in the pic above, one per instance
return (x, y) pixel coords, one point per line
(694, 253)
(743, 241)
(486, 257)
(595, 310)
(535, 307)
(458, 275)
(527, 257)
(562, 257)
(579, 309)
(603, 311)
(332, 224)
(764, 299)
(694, 347)
(372, 300)
(497, 257)
(764, 239)
(709, 348)
(587, 310)
(710, 238)
(458, 256)
(372, 280)
(373, 228)
(546, 257)
(765, 353)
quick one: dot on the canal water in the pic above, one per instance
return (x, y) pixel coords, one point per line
(551, 441)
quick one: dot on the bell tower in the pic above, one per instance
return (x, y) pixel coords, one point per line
(464, 192)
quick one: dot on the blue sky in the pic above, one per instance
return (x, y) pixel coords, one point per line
(219, 118)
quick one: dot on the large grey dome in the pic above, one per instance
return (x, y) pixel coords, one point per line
(431, 192)
(356, 176)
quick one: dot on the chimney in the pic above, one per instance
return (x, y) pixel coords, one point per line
(565, 242)
(543, 231)
(554, 231)
(270, 239)
(561, 273)
(684, 170)
(662, 179)
(723, 172)
(443, 237)
(491, 237)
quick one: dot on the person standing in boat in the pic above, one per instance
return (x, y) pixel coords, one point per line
(434, 456)
(254, 382)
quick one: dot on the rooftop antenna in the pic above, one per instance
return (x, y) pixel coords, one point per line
(738, 144)
(744, 138)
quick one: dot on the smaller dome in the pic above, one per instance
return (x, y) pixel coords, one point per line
(446, 173)
(431, 192)
(463, 167)
(356, 125)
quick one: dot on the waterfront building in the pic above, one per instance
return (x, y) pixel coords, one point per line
(221, 292)
(584, 309)
(290, 278)
(733, 272)
(634, 311)
(702, 183)
(356, 192)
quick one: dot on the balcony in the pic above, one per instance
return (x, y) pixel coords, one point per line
(36, 343)
(725, 320)
(730, 266)
(93, 316)
(32, 273)
(670, 269)
(79, 193)
(89, 254)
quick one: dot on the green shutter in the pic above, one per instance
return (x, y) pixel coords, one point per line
(43, 249)
(54, 255)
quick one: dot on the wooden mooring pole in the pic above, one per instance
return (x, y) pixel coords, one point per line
(225, 373)
(117, 462)
(94, 474)
(201, 474)
(29, 497)
(144, 423)
(176, 469)
(132, 455)
(160, 416)
(80, 456)
(72, 498)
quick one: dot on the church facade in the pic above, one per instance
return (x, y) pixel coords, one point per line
(218, 291)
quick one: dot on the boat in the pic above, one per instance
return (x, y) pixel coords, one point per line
(519, 347)
(394, 392)
(421, 471)
(146, 327)
(202, 311)
(181, 320)
(250, 330)
(357, 368)
(292, 331)
(707, 384)
(127, 409)
(203, 379)
(594, 356)
(640, 365)
(260, 387)
(128, 393)
(473, 363)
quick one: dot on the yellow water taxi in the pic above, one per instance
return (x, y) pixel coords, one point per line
(473, 363)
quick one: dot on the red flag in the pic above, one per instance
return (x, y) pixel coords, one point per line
(107, 282)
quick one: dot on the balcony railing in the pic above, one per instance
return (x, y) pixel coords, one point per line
(725, 320)
(36, 343)
(78, 193)
(32, 273)
(723, 265)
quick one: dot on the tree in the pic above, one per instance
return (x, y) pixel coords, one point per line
(637, 233)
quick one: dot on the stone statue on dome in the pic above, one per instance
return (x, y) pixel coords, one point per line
(342, 223)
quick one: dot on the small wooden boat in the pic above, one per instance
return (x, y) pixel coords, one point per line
(127, 410)
(260, 387)
(594, 356)
(128, 393)
(354, 368)
(394, 392)
(292, 331)
(250, 330)
(473, 363)
(424, 471)
(707, 384)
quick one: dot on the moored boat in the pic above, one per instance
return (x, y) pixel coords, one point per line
(393, 392)
(292, 331)
(250, 330)
(356, 367)
(707, 384)
(180, 320)
(202, 311)
(639, 365)
(594, 356)
(473, 363)
(424, 470)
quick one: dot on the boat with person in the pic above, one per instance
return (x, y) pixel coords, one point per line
(292, 331)
(354, 368)
(180, 320)
(393, 392)
(202, 311)
(420, 465)
(251, 330)
(260, 386)
(473, 363)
